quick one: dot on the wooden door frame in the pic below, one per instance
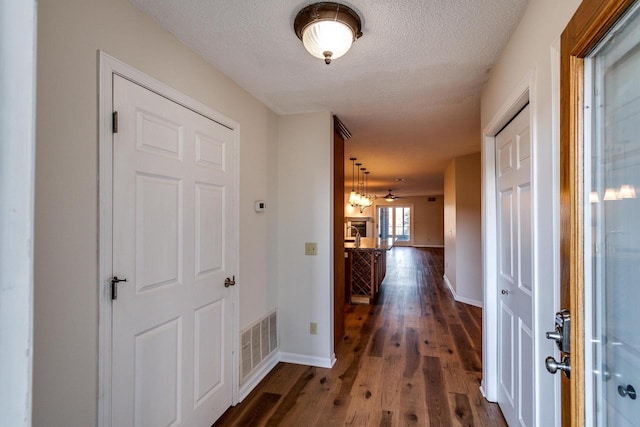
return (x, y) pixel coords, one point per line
(340, 134)
(589, 24)
(107, 67)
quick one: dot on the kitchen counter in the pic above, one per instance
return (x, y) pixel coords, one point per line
(371, 243)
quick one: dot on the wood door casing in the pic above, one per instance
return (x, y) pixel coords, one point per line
(584, 31)
(338, 235)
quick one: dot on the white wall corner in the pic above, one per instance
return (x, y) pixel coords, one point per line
(469, 301)
(450, 286)
(303, 359)
(459, 298)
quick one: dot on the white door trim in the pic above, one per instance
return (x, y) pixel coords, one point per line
(516, 101)
(17, 187)
(544, 227)
(108, 66)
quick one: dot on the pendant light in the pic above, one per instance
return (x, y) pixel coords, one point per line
(358, 196)
(352, 196)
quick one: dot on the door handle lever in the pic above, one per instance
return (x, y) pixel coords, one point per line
(114, 286)
(229, 281)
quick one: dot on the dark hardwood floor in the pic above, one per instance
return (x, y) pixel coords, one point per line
(412, 359)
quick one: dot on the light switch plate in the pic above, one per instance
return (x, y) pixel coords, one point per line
(311, 248)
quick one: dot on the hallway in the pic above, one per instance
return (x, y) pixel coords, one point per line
(413, 359)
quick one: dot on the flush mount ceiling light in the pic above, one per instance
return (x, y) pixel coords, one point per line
(327, 29)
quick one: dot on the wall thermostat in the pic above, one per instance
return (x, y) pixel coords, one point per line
(260, 206)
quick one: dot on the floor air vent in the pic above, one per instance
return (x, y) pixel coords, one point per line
(258, 341)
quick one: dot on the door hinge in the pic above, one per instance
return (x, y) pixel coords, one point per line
(114, 122)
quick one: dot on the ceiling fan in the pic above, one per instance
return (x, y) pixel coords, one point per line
(390, 197)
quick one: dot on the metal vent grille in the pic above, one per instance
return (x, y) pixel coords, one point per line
(258, 342)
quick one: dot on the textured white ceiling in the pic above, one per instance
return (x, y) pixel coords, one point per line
(408, 90)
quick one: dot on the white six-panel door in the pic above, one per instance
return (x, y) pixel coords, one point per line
(515, 318)
(173, 240)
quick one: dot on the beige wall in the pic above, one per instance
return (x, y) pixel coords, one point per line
(468, 232)
(450, 223)
(305, 203)
(70, 32)
(428, 217)
(463, 251)
(428, 220)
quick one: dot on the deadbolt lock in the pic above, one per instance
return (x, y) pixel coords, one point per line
(562, 334)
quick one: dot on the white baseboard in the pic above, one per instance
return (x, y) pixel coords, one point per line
(469, 301)
(449, 285)
(261, 371)
(303, 359)
(428, 246)
(458, 297)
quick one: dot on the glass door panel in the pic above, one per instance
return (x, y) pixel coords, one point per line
(402, 221)
(612, 226)
(395, 222)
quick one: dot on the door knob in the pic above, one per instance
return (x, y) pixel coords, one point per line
(627, 391)
(229, 282)
(505, 292)
(554, 366)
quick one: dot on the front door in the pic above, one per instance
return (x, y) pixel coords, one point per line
(515, 301)
(173, 241)
(600, 250)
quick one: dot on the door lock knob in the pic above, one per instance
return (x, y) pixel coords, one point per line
(229, 281)
(554, 335)
(554, 366)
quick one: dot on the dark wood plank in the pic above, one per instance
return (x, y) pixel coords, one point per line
(386, 419)
(260, 408)
(462, 410)
(290, 399)
(437, 403)
(468, 356)
(377, 344)
(412, 354)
